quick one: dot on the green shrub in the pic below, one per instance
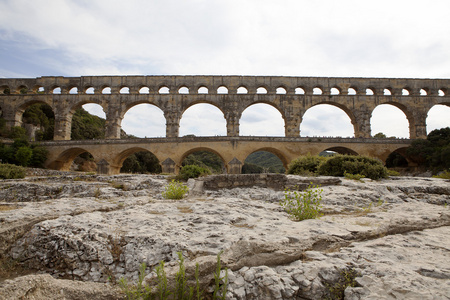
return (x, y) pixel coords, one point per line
(193, 171)
(443, 175)
(8, 171)
(353, 176)
(306, 165)
(352, 164)
(303, 205)
(175, 190)
(393, 173)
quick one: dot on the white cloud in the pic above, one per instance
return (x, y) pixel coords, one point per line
(389, 120)
(255, 37)
(326, 120)
(262, 120)
(203, 120)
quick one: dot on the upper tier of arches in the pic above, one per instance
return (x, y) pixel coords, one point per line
(227, 85)
(173, 95)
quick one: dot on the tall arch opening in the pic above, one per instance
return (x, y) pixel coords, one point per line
(261, 120)
(390, 121)
(205, 158)
(326, 120)
(39, 122)
(88, 122)
(140, 161)
(203, 119)
(263, 162)
(144, 120)
(438, 117)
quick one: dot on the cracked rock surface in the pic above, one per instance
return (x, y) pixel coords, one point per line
(393, 234)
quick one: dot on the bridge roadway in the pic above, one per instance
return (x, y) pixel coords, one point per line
(110, 154)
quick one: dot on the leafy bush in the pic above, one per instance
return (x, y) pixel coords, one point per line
(393, 173)
(8, 171)
(193, 171)
(303, 205)
(306, 165)
(363, 165)
(443, 175)
(175, 190)
(434, 152)
(353, 176)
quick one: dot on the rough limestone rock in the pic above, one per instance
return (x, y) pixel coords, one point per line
(391, 234)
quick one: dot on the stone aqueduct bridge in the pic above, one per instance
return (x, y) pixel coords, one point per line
(291, 96)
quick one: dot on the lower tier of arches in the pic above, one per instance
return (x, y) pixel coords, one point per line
(109, 155)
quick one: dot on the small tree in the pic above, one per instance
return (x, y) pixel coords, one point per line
(23, 155)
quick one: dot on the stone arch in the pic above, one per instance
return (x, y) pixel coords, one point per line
(438, 116)
(341, 150)
(163, 89)
(202, 89)
(118, 160)
(124, 89)
(318, 90)
(343, 108)
(335, 90)
(5, 90)
(22, 107)
(89, 90)
(147, 121)
(106, 89)
(208, 111)
(281, 90)
(403, 109)
(197, 149)
(390, 160)
(183, 89)
(67, 120)
(272, 150)
(270, 104)
(65, 159)
(262, 90)
(222, 89)
(143, 89)
(242, 90)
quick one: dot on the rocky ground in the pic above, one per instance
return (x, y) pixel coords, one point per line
(87, 231)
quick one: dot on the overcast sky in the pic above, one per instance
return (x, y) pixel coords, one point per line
(394, 38)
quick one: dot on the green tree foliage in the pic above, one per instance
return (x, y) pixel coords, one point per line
(141, 162)
(193, 171)
(86, 126)
(264, 162)
(380, 135)
(396, 160)
(41, 115)
(307, 165)
(434, 152)
(205, 159)
(23, 154)
(340, 164)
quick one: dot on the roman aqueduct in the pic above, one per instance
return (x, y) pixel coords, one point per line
(291, 96)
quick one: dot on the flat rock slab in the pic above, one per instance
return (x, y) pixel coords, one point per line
(393, 233)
